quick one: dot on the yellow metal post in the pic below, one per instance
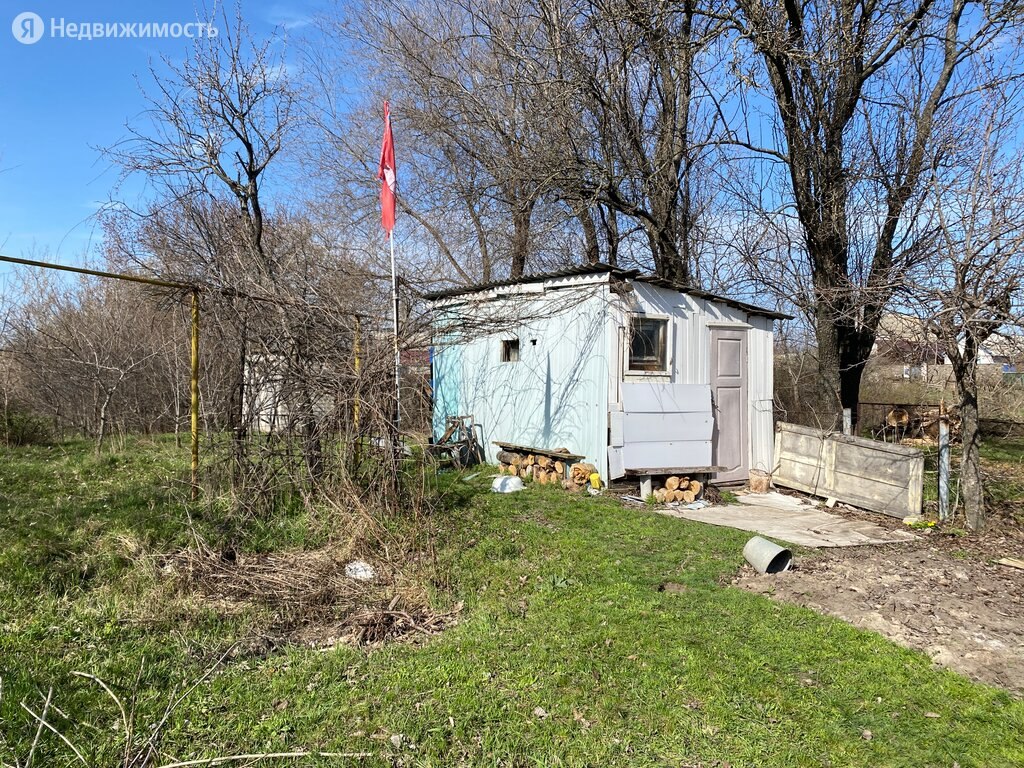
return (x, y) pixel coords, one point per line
(194, 382)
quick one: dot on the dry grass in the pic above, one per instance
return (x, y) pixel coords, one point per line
(309, 600)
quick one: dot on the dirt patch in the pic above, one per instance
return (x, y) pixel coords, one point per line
(943, 596)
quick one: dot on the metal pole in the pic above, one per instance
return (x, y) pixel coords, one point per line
(194, 386)
(943, 467)
(358, 367)
(394, 308)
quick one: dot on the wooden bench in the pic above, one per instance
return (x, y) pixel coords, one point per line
(647, 475)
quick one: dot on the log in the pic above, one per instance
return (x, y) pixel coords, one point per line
(530, 459)
(541, 477)
(659, 495)
(545, 461)
(672, 483)
(506, 457)
(502, 468)
(696, 487)
(687, 496)
(517, 459)
(677, 495)
(560, 468)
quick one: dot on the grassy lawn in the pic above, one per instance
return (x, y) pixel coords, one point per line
(566, 652)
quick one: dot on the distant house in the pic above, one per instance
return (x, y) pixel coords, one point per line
(906, 347)
(905, 343)
(639, 375)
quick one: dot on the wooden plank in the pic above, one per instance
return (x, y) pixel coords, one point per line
(542, 451)
(1012, 562)
(656, 397)
(664, 427)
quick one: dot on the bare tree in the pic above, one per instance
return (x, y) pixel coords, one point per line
(864, 96)
(217, 123)
(636, 120)
(971, 290)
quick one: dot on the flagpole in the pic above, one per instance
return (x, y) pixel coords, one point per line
(398, 361)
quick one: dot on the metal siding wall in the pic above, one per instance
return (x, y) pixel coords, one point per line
(684, 391)
(693, 357)
(555, 396)
(760, 352)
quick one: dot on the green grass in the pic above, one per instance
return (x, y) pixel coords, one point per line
(561, 614)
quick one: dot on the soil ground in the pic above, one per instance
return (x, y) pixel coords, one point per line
(944, 595)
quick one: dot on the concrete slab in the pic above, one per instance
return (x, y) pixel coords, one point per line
(793, 520)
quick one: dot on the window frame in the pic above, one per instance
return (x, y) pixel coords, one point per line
(506, 349)
(627, 358)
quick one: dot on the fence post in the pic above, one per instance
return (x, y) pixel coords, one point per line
(943, 467)
(847, 421)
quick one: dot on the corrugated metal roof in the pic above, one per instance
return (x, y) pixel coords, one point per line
(601, 268)
(584, 269)
(753, 309)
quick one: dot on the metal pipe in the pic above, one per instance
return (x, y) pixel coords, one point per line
(358, 365)
(194, 387)
(398, 363)
(943, 467)
(98, 273)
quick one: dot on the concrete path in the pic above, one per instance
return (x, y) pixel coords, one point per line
(793, 520)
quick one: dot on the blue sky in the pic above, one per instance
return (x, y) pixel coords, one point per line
(62, 99)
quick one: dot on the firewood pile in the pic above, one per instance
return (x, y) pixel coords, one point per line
(546, 470)
(678, 489)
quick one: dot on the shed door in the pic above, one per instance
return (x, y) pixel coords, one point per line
(729, 442)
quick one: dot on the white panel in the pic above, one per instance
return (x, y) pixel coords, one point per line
(666, 455)
(651, 397)
(615, 419)
(664, 427)
(616, 466)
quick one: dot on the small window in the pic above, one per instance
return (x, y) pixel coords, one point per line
(648, 344)
(510, 351)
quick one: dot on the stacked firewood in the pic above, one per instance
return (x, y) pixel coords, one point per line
(678, 489)
(543, 469)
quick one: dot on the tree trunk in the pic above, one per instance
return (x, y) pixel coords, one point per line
(593, 250)
(827, 403)
(972, 488)
(521, 217)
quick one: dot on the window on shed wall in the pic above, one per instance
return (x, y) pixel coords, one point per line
(510, 351)
(648, 344)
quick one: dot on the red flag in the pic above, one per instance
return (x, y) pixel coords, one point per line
(387, 173)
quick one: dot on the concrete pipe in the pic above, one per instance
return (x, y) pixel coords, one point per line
(767, 556)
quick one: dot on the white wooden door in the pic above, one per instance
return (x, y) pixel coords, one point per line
(730, 442)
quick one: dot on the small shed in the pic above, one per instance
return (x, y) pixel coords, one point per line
(639, 375)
